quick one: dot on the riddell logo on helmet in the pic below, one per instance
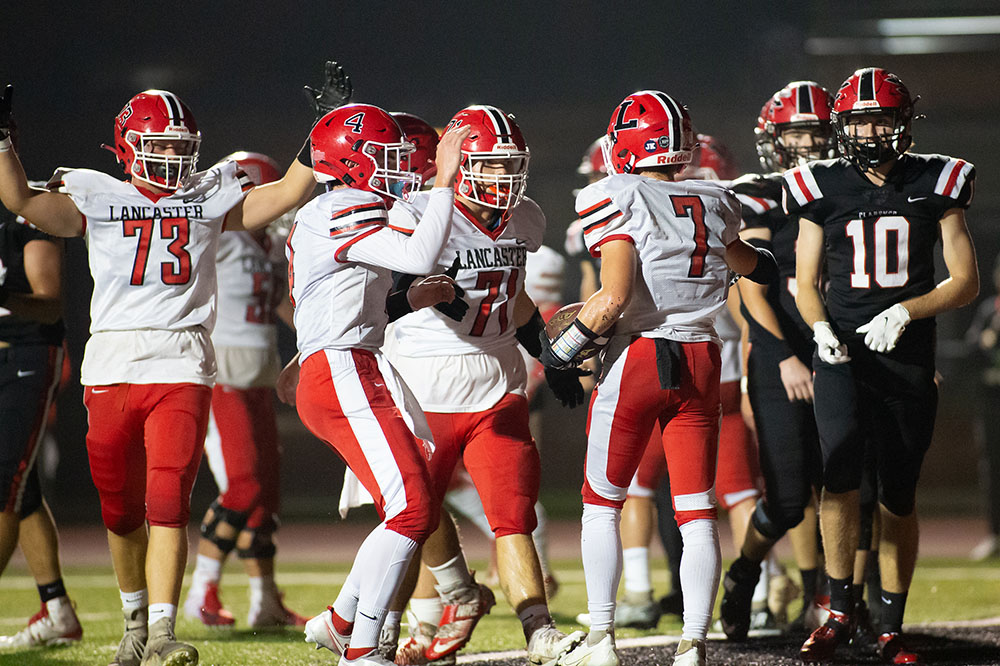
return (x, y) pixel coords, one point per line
(676, 158)
(866, 104)
(505, 146)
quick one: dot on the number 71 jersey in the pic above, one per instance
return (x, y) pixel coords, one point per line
(491, 271)
(680, 231)
(153, 258)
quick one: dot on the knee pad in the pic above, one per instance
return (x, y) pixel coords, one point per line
(774, 526)
(220, 514)
(261, 545)
(123, 522)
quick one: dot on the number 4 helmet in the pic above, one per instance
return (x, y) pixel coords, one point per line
(495, 139)
(156, 115)
(363, 147)
(873, 91)
(648, 129)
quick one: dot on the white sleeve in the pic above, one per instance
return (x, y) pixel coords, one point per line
(416, 254)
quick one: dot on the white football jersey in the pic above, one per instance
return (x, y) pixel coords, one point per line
(341, 254)
(251, 285)
(680, 231)
(491, 271)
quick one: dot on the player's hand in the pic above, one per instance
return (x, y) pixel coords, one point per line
(288, 382)
(336, 90)
(5, 106)
(457, 307)
(797, 378)
(441, 292)
(449, 156)
(547, 358)
(882, 333)
(830, 349)
(565, 384)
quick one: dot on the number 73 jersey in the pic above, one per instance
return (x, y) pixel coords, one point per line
(878, 240)
(491, 271)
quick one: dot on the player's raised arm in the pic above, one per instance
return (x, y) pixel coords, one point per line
(49, 211)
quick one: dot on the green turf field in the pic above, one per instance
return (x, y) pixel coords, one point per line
(942, 590)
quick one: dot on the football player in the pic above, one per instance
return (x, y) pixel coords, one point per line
(476, 406)
(31, 361)
(793, 128)
(666, 251)
(341, 252)
(873, 218)
(149, 364)
(242, 442)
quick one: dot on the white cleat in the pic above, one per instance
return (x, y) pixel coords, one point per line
(690, 653)
(55, 624)
(321, 631)
(601, 654)
(547, 645)
(373, 658)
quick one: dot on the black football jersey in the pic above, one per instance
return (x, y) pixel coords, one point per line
(878, 240)
(760, 196)
(13, 329)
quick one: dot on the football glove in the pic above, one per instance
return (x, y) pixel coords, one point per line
(563, 349)
(457, 308)
(830, 349)
(883, 332)
(565, 384)
(336, 90)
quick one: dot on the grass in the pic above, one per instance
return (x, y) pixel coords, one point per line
(943, 589)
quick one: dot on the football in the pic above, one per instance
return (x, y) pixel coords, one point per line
(563, 317)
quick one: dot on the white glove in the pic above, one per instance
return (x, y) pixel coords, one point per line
(882, 333)
(831, 350)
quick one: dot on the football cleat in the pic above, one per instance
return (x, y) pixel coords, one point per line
(55, 624)
(323, 631)
(163, 648)
(463, 608)
(133, 643)
(690, 653)
(388, 640)
(737, 600)
(781, 591)
(411, 653)
(208, 608)
(892, 650)
(549, 647)
(372, 658)
(272, 613)
(823, 642)
(603, 653)
(637, 616)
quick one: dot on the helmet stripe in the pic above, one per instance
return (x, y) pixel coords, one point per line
(174, 109)
(866, 85)
(674, 113)
(502, 126)
(805, 100)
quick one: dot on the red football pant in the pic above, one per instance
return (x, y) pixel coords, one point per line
(738, 472)
(626, 406)
(343, 399)
(243, 452)
(500, 456)
(144, 442)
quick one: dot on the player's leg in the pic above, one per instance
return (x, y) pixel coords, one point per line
(673, 546)
(347, 401)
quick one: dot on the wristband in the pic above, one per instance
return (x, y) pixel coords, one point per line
(527, 334)
(5, 144)
(744, 384)
(569, 343)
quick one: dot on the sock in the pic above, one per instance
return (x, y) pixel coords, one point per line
(893, 606)
(259, 587)
(601, 550)
(453, 574)
(857, 593)
(346, 605)
(636, 568)
(134, 600)
(381, 564)
(159, 611)
(840, 594)
(206, 570)
(534, 618)
(809, 579)
(701, 567)
(393, 619)
(595, 636)
(760, 591)
(427, 610)
(52, 590)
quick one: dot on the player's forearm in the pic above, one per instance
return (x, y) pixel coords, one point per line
(42, 309)
(950, 294)
(266, 203)
(418, 254)
(603, 309)
(809, 302)
(756, 303)
(14, 189)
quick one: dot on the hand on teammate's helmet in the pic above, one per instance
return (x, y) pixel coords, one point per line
(565, 384)
(830, 349)
(883, 331)
(336, 91)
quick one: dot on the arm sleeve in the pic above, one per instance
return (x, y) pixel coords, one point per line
(418, 253)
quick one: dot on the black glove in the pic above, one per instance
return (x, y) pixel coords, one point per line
(336, 90)
(6, 122)
(457, 308)
(565, 384)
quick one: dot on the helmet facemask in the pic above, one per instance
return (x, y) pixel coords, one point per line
(869, 152)
(160, 169)
(788, 156)
(501, 191)
(392, 176)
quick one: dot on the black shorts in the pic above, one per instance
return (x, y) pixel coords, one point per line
(886, 401)
(29, 377)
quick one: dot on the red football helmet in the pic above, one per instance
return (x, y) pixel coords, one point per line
(424, 139)
(711, 161)
(593, 161)
(648, 129)
(156, 115)
(763, 140)
(261, 168)
(801, 105)
(363, 147)
(495, 138)
(873, 91)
